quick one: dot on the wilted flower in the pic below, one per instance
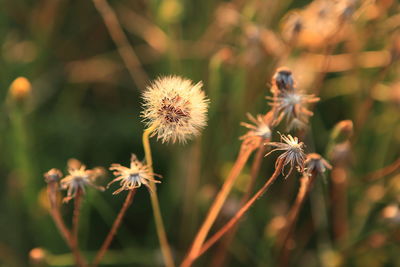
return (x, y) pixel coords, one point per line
(260, 127)
(133, 177)
(176, 106)
(316, 163)
(293, 155)
(54, 175)
(292, 105)
(79, 177)
(282, 80)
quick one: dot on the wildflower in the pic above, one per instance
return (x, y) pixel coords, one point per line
(292, 105)
(54, 175)
(79, 177)
(260, 127)
(20, 88)
(133, 177)
(293, 155)
(315, 163)
(177, 108)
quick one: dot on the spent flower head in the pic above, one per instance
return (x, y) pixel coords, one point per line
(293, 153)
(315, 163)
(292, 105)
(260, 127)
(79, 177)
(135, 176)
(53, 175)
(176, 107)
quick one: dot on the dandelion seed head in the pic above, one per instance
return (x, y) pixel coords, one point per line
(177, 106)
(135, 176)
(293, 154)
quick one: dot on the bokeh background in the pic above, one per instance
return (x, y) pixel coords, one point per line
(84, 103)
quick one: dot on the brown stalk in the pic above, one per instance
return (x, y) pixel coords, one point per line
(255, 168)
(291, 219)
(76, 214)
(52, 190)
(247, 147)
(114, 228)
(125, 50)
(395, 166)
(232, 222)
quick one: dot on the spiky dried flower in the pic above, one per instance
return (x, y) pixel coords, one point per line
(176, 106)
(53, 175)
(79, 177)
(132, 177)
(293, 153)
(316, 163)
(260, 127)
(292, 105)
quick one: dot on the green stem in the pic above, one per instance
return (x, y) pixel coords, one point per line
(162, 237)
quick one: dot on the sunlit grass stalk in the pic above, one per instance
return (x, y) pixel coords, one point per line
(162, 237)
(220, 256)
(52, 189)
(306, 184)
(106, 244)
(232, 222)
(244, 154)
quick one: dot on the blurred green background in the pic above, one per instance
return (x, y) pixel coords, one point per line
(84, 104)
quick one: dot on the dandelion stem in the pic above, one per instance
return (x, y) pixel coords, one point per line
(232, 222)
(107, 242)
(76, 214)
(244, 154)
(162, 237)
(305, 186)
(255, 168)
(58, 220)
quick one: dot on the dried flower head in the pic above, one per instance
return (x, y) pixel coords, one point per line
(79, 177)
(293, 155)
(260, 127)
(176, 106)
(53, 175)
(282, 80)
(292, 105)
(316, 163)
(133, 177)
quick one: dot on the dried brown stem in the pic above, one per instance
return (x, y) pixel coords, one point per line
(125, 50)
(104, 247)
(247, 147)
(76, 214)
(291, 219)
(255, 169)
(232, 222)
(62, 228)
(395, 166)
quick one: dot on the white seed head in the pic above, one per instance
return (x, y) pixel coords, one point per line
(176, 106)
(316, 163)
(260, 127)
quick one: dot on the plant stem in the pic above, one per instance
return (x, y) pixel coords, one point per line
(162, 237)
(114, 228)
(305, 186)
(244, 154)
(58, 220)
(75, 216)
(255, 168)
(232, 222)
